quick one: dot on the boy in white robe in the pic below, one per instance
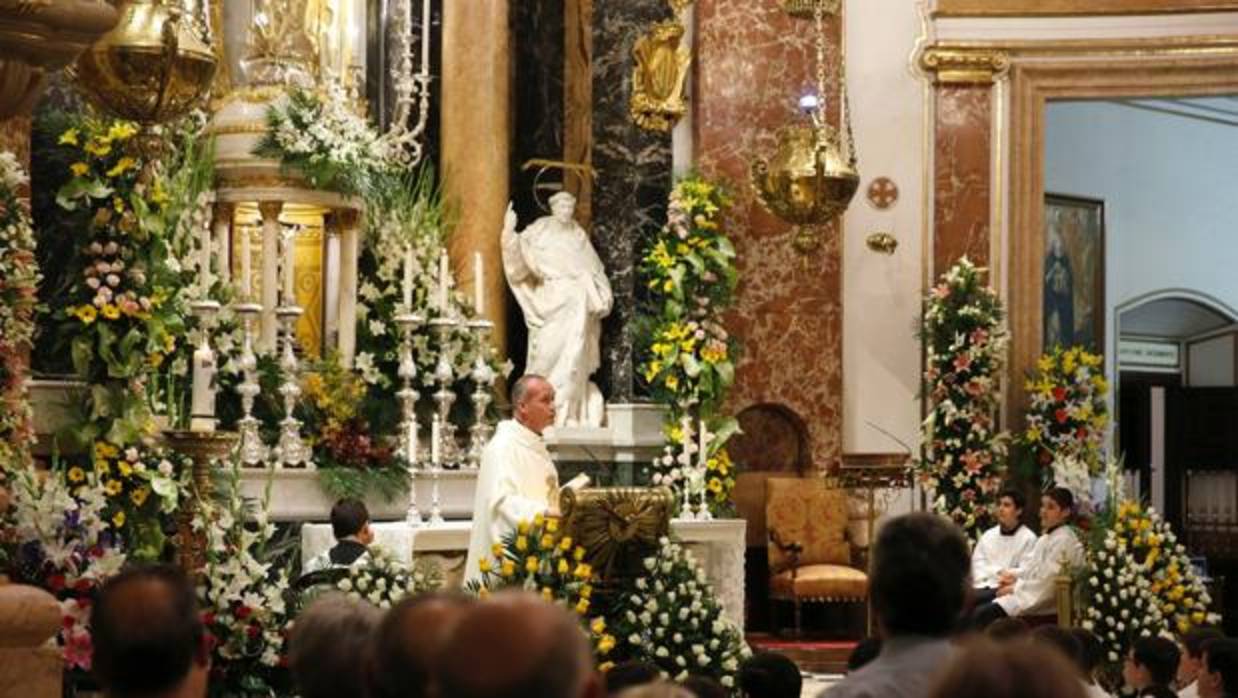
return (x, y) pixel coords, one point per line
(1002, 550)
(517, 480)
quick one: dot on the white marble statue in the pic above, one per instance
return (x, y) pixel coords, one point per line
(561, 286)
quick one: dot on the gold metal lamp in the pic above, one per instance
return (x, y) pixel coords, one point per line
(155, 66)
(812, 175)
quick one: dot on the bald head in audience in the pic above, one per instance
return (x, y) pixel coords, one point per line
(408, 642)
(516, 645)
(148, 636)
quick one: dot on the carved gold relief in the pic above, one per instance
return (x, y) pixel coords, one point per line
(658, 78)
(962, 66)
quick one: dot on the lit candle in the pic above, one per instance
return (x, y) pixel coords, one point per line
(425, 37)
(704, 441)
(289, 272)
(479, 300)
(247, 289)
(435, 453)
(685, 426)
(442, 282)
(408, 278)
(204, 261)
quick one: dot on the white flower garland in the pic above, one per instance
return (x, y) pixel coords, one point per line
(19, 281)
(384, 581)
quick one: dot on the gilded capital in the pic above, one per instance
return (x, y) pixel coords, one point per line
(964, 66)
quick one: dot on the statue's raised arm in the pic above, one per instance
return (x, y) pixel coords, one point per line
(515, 265)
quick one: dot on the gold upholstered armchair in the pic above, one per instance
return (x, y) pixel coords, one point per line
(810, 558)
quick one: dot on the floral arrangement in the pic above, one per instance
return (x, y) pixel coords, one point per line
(538, 557)
(687, 356)
(1068, 414)
(672, 619)
(242, 596)
(965, 344)
(322, 136)
(63, 543)
(142, 488)
(384, 581)
(1140, 582)
(19, 282)
(351, 461)
(124, 314)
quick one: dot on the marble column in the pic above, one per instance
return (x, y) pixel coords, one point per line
(628, 199)
(753, 62)
(476, 142)
(270, 274)
(961, 166)
(348, 221)
(222, 225)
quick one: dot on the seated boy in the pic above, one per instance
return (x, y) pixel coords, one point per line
(350, 523)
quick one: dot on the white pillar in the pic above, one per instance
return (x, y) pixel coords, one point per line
(222, 224)
(331, 283)
(347, 221)
(270, 273)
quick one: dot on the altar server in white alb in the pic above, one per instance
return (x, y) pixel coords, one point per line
(1003, 550)
(517, 479)
(1032, 590)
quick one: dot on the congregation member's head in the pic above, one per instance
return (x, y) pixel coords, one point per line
(533, 402)
(625, 675)
(1009, 628)
(927, 553)
(1060, 640)
(329, 647)
(516, 645)
(148, 636)
(658, 689)
(1151, 662)
(1010, 505)
(770, 675)
(704, 687)
(985, 669)
(350, 520)
(408, 641)
(1056, 507)
(1192, 659)
(1091, 652)
(865, 651)
(1219, 676)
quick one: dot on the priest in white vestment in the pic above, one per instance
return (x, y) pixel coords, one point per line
(517, 480)
(1003, 550)
(558, 279)
(1032, 591)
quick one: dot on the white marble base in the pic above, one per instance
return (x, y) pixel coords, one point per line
(296, 495)
(718, 545)
(633, 433)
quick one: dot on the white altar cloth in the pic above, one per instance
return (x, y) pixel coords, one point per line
(717, 545)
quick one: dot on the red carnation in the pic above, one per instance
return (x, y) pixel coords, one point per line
(1061, 415)
(1059, 393)
(242, 612)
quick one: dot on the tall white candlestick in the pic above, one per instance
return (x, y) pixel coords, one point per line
(685, 426)
(247, 284)
(408, 278)
(442, 282)
(435, 433)
(479, 299)
(425, 37)
(289, 271)
(704, 441)
(204, 260)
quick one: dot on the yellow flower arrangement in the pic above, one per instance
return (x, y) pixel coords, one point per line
(86, 313)
(1068, 415)
(110, 311)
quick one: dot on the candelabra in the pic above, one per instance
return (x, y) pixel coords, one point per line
(292, 449)
(412, 90)
(483, 379)
(202, 403)
(444, 397)
(253, 451)
(687, 472)
(436, 466)
(408, 395)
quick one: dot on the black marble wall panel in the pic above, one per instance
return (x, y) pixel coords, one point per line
(633, 180)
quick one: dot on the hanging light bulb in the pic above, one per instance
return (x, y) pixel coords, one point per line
(812, 176)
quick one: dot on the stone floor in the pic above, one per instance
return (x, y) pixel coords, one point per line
(814, 684)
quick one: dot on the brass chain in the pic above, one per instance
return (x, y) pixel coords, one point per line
(818, 15)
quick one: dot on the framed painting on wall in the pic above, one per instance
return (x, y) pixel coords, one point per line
(1074, 273)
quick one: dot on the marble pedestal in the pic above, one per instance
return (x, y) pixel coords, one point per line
(717, 545)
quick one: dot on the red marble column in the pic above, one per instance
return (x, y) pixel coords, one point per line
(753, 62)
(961, 175)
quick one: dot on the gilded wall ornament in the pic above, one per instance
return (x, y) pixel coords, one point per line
(662, 62)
